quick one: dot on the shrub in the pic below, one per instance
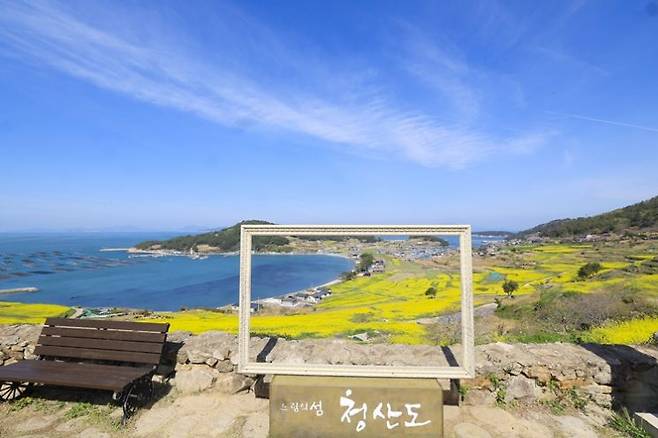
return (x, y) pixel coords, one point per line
(589, 269)
(430, 292)
(348, 275)
(509, 287)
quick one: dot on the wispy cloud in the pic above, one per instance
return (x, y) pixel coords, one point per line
(607, 122)
(166, 75)
(445, 72)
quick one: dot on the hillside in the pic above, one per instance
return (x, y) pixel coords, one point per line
(228, 240)
(637, 217)
(225, 240)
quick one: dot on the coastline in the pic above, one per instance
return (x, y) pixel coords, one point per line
(19, 290)
(176, 253)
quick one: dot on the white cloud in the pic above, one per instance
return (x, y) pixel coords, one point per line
(166, 75)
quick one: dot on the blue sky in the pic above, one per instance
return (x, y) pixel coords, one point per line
(167, 115)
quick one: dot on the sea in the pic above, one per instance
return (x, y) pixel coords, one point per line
(71, 269)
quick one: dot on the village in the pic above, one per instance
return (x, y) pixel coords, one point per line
(310, 296)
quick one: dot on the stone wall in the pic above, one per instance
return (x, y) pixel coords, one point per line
(601, 376)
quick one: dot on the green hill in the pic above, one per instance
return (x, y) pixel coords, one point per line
(228, 240)
(225, 240)
(642, 216)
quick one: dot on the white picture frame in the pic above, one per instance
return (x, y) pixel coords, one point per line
(466, 366)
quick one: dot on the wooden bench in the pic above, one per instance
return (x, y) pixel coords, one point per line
(117, 356)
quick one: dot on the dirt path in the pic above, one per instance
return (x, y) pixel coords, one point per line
(215, 414)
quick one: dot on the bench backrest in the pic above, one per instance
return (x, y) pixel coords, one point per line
(102, 340)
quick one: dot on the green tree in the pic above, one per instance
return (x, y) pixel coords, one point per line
(509, 287)
(589, 269)
(430, 292)
(348, 275)
(366, 261)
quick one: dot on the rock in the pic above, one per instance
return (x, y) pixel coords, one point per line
(10, 361)
(222, 354)
(224, 366)
(209, 344)
(211, 361)
(477, 397)
(539, 372)
(596, 389)
(195, 380)
(514, 369)
(233, 357)
(233, 383)
(197, 356)
(654, 338)
(470, 430)
(603, 377)
(28, 354)
(603, 400)
(522, 388)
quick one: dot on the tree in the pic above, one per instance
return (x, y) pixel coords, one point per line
(509, 287)
(589, 269)
(348, 275)
(366, 261)
(430, 292)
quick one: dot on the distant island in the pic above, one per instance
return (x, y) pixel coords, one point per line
(503, 234)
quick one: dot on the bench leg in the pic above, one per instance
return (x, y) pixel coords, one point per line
(12, 390)
(137, 394)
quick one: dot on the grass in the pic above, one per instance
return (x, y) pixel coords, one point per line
(623, 422)
(94, 414)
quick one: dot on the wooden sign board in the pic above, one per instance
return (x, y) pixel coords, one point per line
(321, 407)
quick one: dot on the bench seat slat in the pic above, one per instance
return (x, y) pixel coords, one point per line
(115, 335)
(107, 324)
(78, 375)
(101, 344)
(92, 354)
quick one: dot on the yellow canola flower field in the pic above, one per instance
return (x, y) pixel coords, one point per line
(390, 303)
(384, 306)
(636, 331)
(21, 313)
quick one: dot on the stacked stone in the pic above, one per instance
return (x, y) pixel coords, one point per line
(17, 343)
(519, 373)
(530, 372)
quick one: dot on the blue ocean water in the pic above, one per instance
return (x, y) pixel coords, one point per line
(70, 269)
